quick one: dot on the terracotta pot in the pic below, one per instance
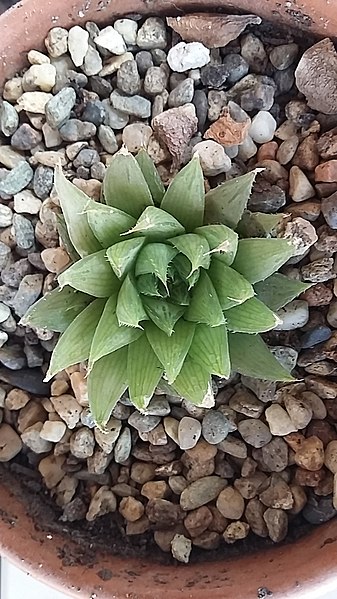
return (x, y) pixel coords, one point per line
(306, 569)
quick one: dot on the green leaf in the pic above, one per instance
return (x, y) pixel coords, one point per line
(107, 382)
(204, 305)
(193, 381)
(144, 372)
(277, 290)
(73, 202)
(184, 268)
(130, 310)
(171, 351)
(231, 287)
(222, 240)
(195, 248)
(151, 176)
(74, 345)
(56, 310)
(164, 314)
(109, 336)
(210, 349)
(257, 259)
(179, 293)
(93, 275)
(154, 258)
(185, 197)
(250, 356)
(124, 185)
(148, 285)
(251, 317)
(122, 255)
(259, 224)
(108, 223)
(157, 224)
(64, 236)
(226, 203)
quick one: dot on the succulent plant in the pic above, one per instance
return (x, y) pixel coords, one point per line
(166, 286)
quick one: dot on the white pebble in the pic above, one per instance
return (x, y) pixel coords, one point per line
(35, 57)
(53, 430)
(189, 432)
(213, 158)
(181, 548)
(247, 149)
(78, 44)
(111, 40)
(294, 315)
(263, 127)
(128, 30)
(184, 57)
(39, 76)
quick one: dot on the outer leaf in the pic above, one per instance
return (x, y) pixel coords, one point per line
(151, 176)
(251, 317)
(164, 314)
(257, 259)
(108, 223)
(107, 382)
(204, 305)
(210, 349)
(258, 224)
(195, 248)
(250, 356)
(57, 309)
(93, 275)
(185, 197)
(154, 258)
(74, 345)
(193, 381)
(124, 185)
(109, 336)
(171, 351)
(73, 202)
(122, 255)
(226, 203)
(64, 236)
(278, 290)
(157, 224)
(232, 288)
(144, 372)
(222, 240)
(130, 310)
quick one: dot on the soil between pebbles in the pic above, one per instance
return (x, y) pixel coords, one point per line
(80, 109)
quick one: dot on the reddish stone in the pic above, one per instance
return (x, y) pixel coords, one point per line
(318, 295)
(326, 172)
(267, 151)
(305, 478)
(322, 429)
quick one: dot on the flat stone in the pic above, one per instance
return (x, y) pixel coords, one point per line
(78, 43)
(53, 430)
(76, 130)
(133, 106)
(59, 107)
(189, 431)
(68, 409)
(183, 57)
(10, 443)
(111, 40)
(279, 421)
(215, 427)
(17, 179)
(123, 446)
(9, 119)
(34, 101)
(245, 402)
(82, 443)
(254, 432)
(201, 491)
(277, 524)
(230, 503)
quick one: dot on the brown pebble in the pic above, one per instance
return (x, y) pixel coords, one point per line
(330, 456)
(197, 521)
(230, 504)
(299, 497)
(277, 524)
(207, 540)
(155, 489)
(131, 509)
(254, 515)
(236, 531)
(278, 494)
(310, 454)
(306, 478)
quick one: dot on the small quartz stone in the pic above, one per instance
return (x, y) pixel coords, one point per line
(78, 43)
(294, 315)
(82, 443)
(263, 127)
(31, 437)
(213, 158)
(34, 101)
(39, 76)
(53, 430)
(184, 57)
(189, 431)
(57, 42)
(279, 421)
(111, 40)
(128, 30)
(152, 34)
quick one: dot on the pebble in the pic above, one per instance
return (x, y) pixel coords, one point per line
(144, 61)
(152, 34)
(78, 43)
(275, 455)
(55, 259)
(128, 78)
(189, 431)
(9, 119)
(23, 231)
(230, 503)
(82, 443)
(293, 316)
(155, 80)
(57, 42)
(128, 30)
(279, 421)
(34, 101)
(53, 430)
(133, 106)
(215, 427)
(182, 93)
(123, 446)
(76, 130)
(13, 89)
(111, 40)
(6, 216)
(236, 531)
(59, 107)
(184, 57)
(131, 509)
(283, 56)
(92, 62)
(247, 149)
(213, 158)
(263, 127)
(326, 172)
(236, 66)
(310, 454)
(12, 358)
(158, 406)
(9, 157)
(318, 271)
(181, 548)
(214, 75)
(252, 50)
(319, 509)
(201, 491)
(143, 423)
(108, 139)
(10, 443)
(330, 456)
(254, 432)
(155, 489)
(110, 67)
(39, 77)
(266, 197)
(103, 502)
(29, 290)
(13, 274)
(43, 181)
(68, 409)
(277, 524)
(26, 138)
(17, 179)
(94, 112)
(16, 399)
(31, 438)
(5, 312)
(329, 210)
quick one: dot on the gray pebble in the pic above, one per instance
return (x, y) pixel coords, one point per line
(266, 197)
(143, 423)
(152, 34)
(87, 418)
(23, 231)
(316, 335)
(189, 431)
(76, 130)
(128, 79)
(123, 446)
(76, 80)
(94, 112)
(101, 86)
(260, 97)
(284, 81)
(329, 210)
(9, 118)
(201, 108)
(114, 118)
(281, 57)
(132, 105)
(6, 216)
(29, 290)
(34, 355)
(5, 254)
(158, 56)
(319, 509)
(214, 75)
(86, 158)
(59, 107)
(108, 139)
(13, 274)
(97, 171)
(121, 412)
(83, 172)
(155, 81)
(158, 406)
(182, 94)
(26, 138)
(12, 357)
(144, 61)
(215, 427)
(17, 179)
(43, 181)
(92, 62)
(236, 67)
